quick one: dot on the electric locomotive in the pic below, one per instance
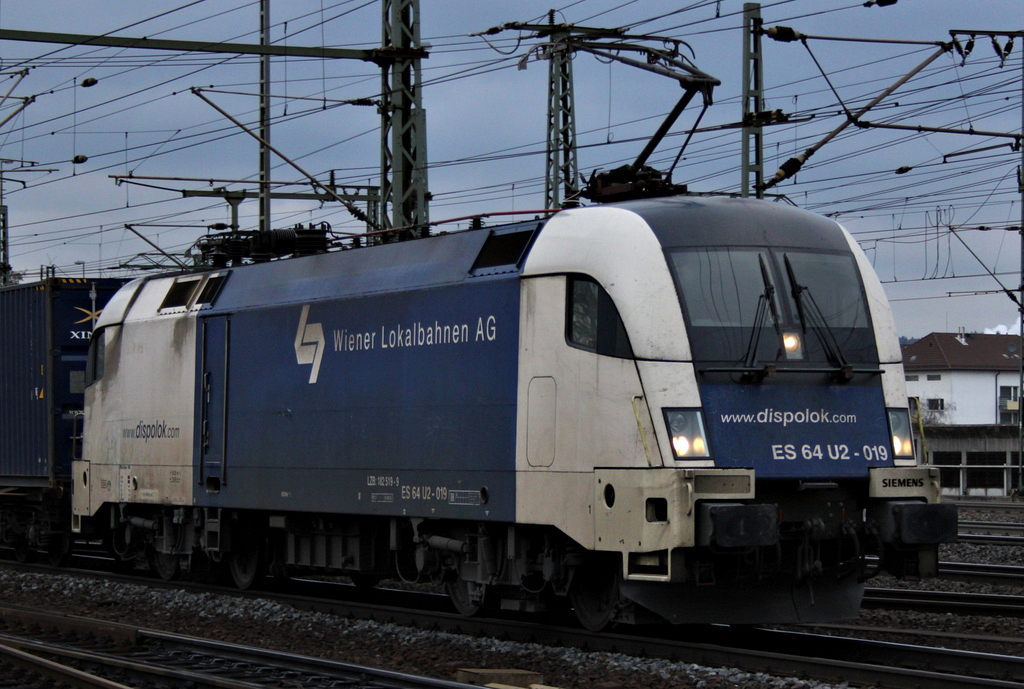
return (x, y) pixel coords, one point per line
(686, 409)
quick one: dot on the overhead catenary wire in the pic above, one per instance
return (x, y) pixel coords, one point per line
(814, 183)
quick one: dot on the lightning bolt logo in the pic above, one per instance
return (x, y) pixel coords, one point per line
(89, 315)
(309, 344)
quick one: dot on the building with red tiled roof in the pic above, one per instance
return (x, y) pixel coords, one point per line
(964, 378)
(968, 387)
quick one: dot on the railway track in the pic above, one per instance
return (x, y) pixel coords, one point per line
(786, 653)
(825, 659)
(102, 655)
(135, 655)
(982, 574)
(992, 532)
(990, 528)
(945, 602)
(989, 505)
(988, 539)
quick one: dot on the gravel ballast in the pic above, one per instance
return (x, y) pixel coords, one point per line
(269, 624)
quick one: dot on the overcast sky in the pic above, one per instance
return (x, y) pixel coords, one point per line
(934, 233)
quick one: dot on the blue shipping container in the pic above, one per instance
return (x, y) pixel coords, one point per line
(45, 328)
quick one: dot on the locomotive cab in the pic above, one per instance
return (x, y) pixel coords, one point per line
(777, 470)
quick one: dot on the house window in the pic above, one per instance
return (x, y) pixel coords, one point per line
(934, 376)
(1008, 409)
(912, 379)
(936, 404)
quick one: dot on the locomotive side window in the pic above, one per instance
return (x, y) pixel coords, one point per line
(193, 292)
(180, 293)
(94, 364)
(592, 321)
(211, 289)
(502, 251)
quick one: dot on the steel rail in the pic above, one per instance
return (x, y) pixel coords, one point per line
(973, 573)
(59, 673)
(991, 539)
(990, 528)
(945, 602)
(908, 665)
(162, 659)
(993, 505)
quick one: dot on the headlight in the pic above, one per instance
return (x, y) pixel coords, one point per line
(686, 429)
(792, 345)
(899, 426)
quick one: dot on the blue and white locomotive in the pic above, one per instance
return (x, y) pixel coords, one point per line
(689, 409)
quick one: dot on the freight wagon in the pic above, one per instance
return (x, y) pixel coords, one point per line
(45, 330)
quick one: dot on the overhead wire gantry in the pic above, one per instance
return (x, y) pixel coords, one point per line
(403, 196)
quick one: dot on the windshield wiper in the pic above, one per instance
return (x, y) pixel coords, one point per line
(765, 305)
(810, 315)
(811, 318)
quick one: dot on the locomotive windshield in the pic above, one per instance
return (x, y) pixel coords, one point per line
(756, 305)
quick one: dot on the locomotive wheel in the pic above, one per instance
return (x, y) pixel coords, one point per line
(459, 592)
(245, 562)
(595, 595)
(22, 551)
(58, 553)
(166, 565)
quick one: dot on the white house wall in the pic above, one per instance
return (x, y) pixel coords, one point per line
(969, 397)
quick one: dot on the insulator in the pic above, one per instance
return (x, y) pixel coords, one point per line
(277, 243)
(356, 213)
(998, 49)
(311, 241)
(236, 248)
(218, 259)
(792, 166)
(784, 34)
